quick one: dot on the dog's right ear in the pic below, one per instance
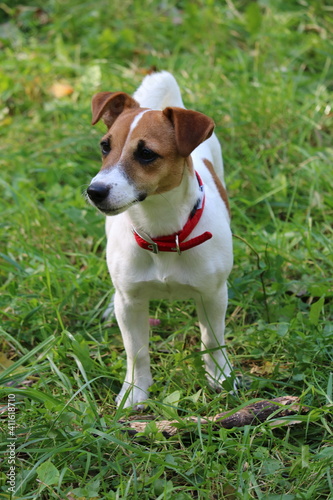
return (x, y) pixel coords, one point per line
(109, 105)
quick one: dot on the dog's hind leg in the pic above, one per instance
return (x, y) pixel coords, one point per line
(211, 313)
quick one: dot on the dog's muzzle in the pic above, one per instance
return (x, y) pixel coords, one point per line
(99, 195)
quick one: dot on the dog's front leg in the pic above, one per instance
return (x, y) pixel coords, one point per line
(211, 313)
(133, 320)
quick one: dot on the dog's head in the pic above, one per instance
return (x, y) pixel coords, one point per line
(144, 151)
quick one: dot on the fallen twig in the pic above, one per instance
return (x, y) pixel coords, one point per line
(249, 415)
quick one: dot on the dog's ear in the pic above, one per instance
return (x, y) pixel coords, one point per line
(109, 105)
(191, 128)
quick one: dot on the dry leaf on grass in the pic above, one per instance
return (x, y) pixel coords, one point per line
(4, 362)
(61, 89)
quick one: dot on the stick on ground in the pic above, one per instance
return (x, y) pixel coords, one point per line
(249, 415)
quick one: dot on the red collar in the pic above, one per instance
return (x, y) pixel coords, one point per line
(175, 242)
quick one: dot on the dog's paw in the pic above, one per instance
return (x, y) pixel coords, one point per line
(223, 384)
(132, 396)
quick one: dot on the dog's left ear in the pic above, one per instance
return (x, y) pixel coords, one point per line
(191, 128)
(109, 105)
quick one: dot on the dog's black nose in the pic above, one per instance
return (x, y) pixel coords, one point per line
(97, 192)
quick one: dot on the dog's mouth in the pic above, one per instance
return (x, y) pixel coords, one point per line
(110, 210)
(115, 211)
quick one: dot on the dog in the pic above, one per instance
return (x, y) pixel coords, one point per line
(162, 190)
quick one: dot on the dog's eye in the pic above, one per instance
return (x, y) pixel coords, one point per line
(145, 155)
(105, 147)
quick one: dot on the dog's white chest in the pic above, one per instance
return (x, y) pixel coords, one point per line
(167, 288)
(168, 280)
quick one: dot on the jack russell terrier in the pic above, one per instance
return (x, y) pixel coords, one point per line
(168, 224)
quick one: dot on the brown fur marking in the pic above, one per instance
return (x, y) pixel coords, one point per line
(221, 189)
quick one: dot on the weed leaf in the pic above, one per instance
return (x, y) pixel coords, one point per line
(47, 473)
(315, 311)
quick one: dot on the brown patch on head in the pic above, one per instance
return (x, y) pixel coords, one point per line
(221, 189)
(154, 133)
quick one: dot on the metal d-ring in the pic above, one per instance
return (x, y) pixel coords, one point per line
(151, 244)
(177, 244)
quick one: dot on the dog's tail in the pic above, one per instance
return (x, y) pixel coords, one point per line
(159, 90)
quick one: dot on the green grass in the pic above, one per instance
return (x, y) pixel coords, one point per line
(264, 72)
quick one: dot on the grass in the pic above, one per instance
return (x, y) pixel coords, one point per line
(264, 72)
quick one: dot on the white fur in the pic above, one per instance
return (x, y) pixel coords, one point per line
(158, 91)
(200, 273)
(135, 123)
